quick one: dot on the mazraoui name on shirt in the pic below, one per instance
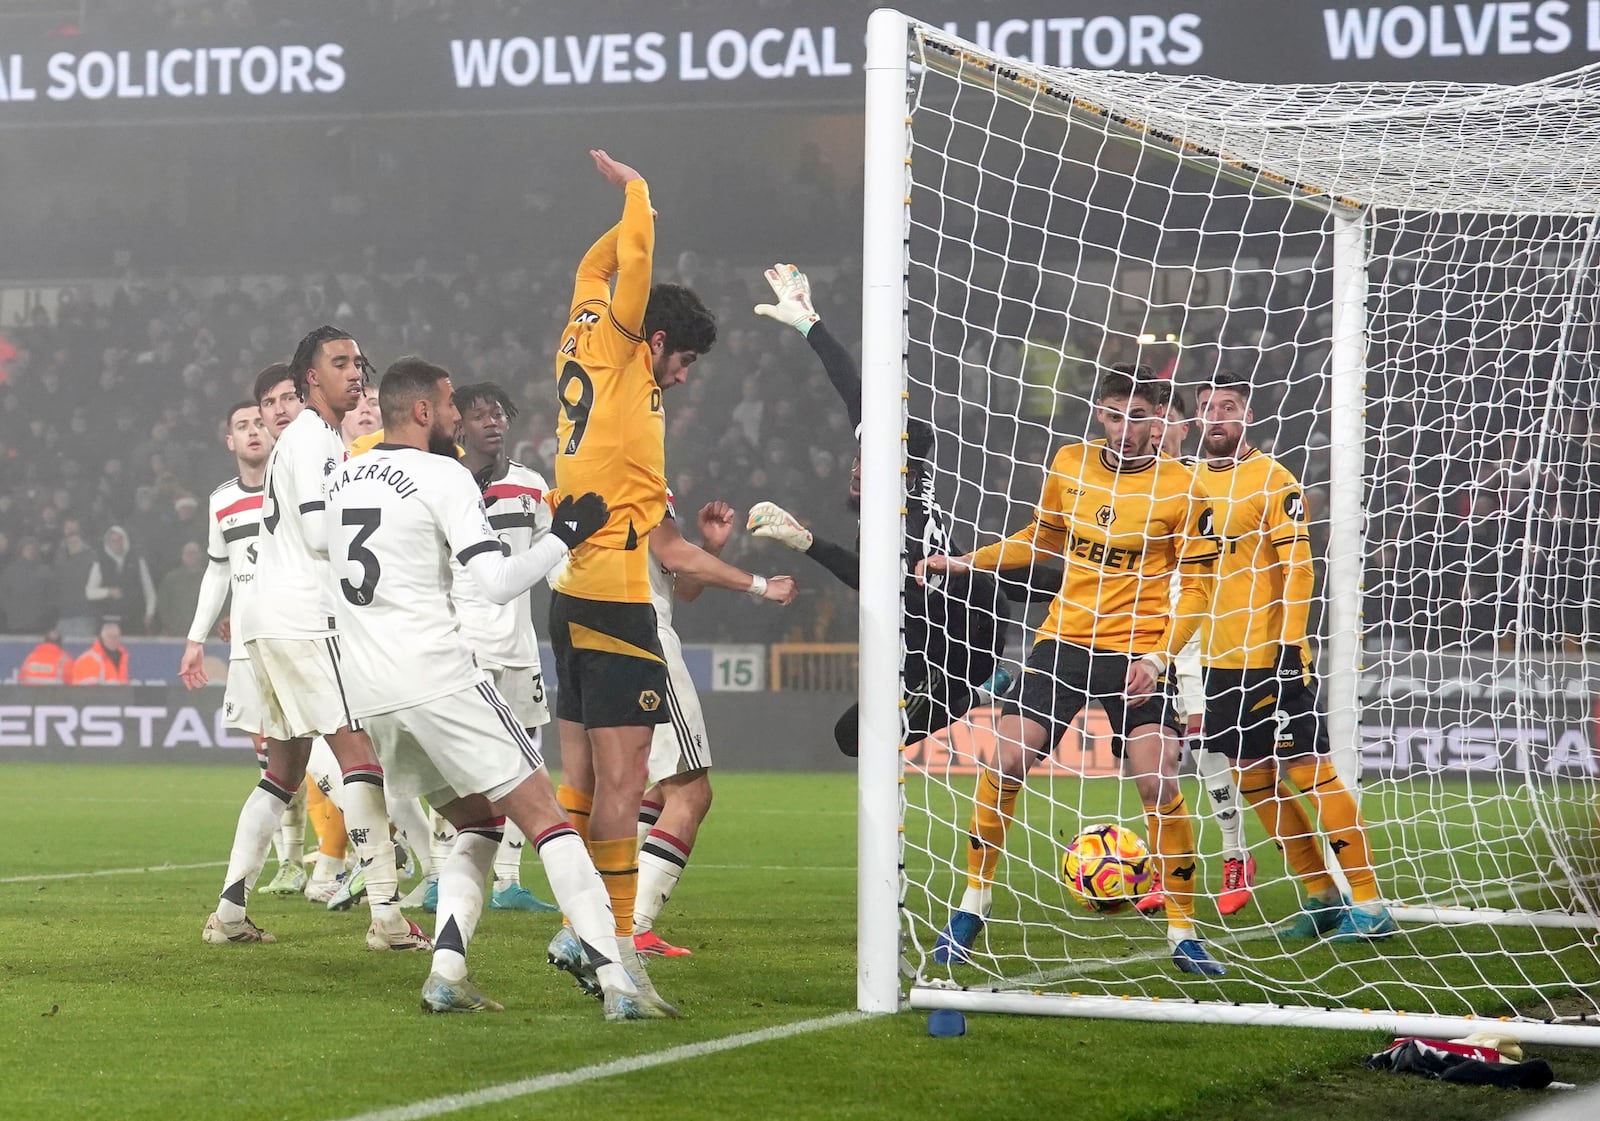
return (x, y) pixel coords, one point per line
(397, 519)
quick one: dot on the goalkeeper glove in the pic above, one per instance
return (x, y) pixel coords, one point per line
(577, 519)
(767, 519)
(793, 291)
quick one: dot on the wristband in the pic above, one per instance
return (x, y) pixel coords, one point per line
(1156, 662)
(758, 587)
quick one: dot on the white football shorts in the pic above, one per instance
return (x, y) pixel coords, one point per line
(241, 699)
(302, 693)
(680, 744)
(523, 690)
(464, 743)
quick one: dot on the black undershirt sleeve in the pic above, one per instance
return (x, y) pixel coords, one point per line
(841, 369)
(843, 563)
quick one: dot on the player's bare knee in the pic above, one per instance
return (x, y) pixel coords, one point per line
(464, 813)
(352, 748)
(689, 794)
(1153, 789)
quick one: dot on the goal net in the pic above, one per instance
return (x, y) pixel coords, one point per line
(1409, 278)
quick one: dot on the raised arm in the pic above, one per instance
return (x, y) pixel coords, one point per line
(792, 291)
(503, 578)
(625, 252)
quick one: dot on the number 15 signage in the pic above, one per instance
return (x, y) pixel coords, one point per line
(738, 669)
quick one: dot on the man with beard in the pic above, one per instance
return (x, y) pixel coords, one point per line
(396, 517)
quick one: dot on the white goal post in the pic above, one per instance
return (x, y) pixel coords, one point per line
(1409, 275)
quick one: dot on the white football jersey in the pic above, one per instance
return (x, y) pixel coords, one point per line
(662, 580)
(294, 595)
(502, 634)
(1186, 666)
(397, 517)
(233, 540)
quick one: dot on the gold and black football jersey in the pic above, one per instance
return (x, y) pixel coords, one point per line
(1264, 576)
(1122, 531)
(611, 430)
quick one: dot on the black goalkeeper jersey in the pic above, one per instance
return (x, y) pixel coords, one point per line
(955, 626)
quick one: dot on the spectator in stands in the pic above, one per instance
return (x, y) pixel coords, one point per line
(46, 664)
(105, 662)
(27, 592)
(121, 579)
(73, 562)
(180, 591)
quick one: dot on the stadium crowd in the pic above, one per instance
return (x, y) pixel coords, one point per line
(112, 405)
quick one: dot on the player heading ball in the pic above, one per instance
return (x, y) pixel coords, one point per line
(622, 347)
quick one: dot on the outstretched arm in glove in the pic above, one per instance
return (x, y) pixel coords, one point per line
(768, 519)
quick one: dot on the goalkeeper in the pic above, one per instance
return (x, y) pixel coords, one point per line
(954, 633)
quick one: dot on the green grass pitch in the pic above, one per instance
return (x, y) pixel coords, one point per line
(112, 1008)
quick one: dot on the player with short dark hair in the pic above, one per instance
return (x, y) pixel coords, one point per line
(1124, 519)
(235, 524)
(275, 391)
(516, 498)
(400, 518)
(293, 645)
(1262, 710)
(619, 350)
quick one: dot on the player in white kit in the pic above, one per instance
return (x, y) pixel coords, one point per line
(289, 630)
(679, 796)
(502, 635)
(397, 516)
(234, 520)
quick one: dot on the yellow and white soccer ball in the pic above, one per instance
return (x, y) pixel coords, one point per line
(1106, 866)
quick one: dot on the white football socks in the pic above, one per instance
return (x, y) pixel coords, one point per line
(443, 837)
(461, 898)
(662, 860)
(252, 839)
(410, 822)
(291, 838)
(366, 820)
(1217, 773)
(581, 895)
(508, 860)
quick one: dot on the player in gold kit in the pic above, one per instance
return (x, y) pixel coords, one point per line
(1261, 699)
(621, 347)
(1124, 517)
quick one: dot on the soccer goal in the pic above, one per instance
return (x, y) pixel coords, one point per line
(1409, 277)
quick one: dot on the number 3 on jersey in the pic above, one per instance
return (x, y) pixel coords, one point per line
(368, 520)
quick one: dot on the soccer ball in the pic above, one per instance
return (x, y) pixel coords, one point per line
(1106, 866)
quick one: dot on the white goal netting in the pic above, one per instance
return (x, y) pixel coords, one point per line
(1061, 222)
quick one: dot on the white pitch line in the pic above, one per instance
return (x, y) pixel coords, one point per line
(111, 872)
(489, 1095)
